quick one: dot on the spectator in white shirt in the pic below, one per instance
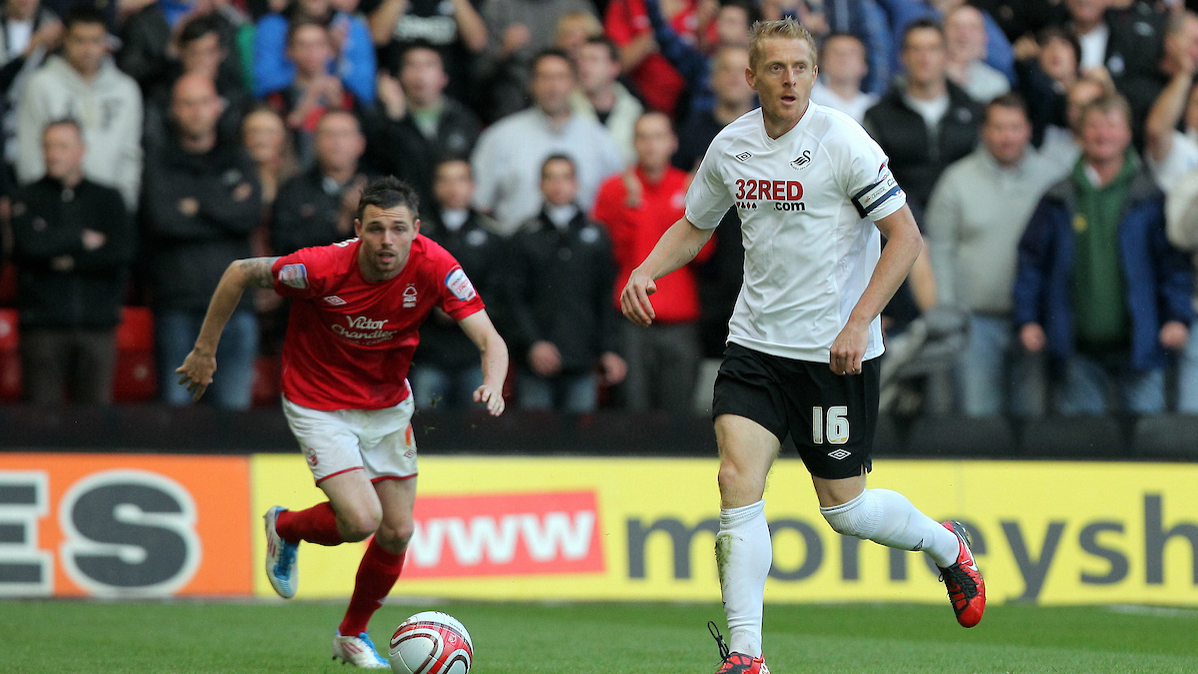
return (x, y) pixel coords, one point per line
(842, 68)
(507, 160)
(1171, 153)
(965, 33)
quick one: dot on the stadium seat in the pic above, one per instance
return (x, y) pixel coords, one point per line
(953, 436)
(10, 357)
(134, 378)
(8, 285)
(1091, 437)
(136, 330)
(1166, 436)
(267, 385)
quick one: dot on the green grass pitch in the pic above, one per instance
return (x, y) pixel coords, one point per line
(184, 637)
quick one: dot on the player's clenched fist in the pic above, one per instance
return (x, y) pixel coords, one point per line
(849, 348)
(634, 300)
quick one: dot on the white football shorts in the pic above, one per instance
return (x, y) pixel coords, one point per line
(377, 441)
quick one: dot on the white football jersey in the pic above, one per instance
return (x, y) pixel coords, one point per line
(803, 199)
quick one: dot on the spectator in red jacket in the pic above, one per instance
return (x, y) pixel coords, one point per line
(627, 24)
(637, 207)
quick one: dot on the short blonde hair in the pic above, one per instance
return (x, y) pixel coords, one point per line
(1105, 104)
(783, 28)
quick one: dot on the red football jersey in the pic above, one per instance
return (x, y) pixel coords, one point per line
(349, 341)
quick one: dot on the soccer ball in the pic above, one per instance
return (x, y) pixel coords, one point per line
(431, 642)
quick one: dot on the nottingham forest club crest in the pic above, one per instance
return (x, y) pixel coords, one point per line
(802, 160)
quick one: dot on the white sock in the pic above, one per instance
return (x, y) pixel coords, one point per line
(887, 517)
(743, 555)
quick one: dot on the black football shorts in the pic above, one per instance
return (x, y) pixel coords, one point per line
(831, 418)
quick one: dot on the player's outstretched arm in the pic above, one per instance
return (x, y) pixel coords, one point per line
(197, 369)
(678, 246)
(903, 243)
(493, 349)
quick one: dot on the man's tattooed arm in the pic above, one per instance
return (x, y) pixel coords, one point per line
(257, 271)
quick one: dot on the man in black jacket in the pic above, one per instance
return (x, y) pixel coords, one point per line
(562, 274)
(926, 122)
(146, 52)
(445, 370)
(318, 207)
(200, 202)
(423, 125)
(73, 245)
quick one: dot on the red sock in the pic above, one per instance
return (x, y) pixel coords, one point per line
(317, 524)
(376, 576)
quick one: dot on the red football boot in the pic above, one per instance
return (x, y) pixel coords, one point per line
(966, 589)
(736, 663)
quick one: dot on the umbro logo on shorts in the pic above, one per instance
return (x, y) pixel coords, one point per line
(840, 454)
(743, 156)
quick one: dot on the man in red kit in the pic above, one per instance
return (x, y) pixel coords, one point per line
(638, 207)
(357, 305)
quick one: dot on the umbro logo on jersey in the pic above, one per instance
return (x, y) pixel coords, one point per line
(839, 454)
(334, 300)
(802, 160)
(743, 156)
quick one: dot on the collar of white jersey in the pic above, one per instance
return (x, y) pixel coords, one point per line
(798, 128)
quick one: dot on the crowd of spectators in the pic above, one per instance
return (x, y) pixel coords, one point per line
(1048, 149)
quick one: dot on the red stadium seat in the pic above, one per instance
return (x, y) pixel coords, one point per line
(9, 320)
(267, 386)
(10, 358)
(135, 378)
(136, 330)
(8, 286)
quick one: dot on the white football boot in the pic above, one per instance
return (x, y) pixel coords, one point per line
(280, 557)
(358, 651)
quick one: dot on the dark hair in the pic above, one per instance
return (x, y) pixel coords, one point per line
(453, 158)
(921, 24)
(834, 35)
(198, 28)
(752, 13)
(401, 58)
(64, 121)
(83, 15)
(612, 50)
(389, 192)
(1010, 100)
(1057, 33)
(295, 26)
(551, 52)
(558, 157)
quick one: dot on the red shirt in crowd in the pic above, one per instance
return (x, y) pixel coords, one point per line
(349, 341)
(657, 81)
(634, 230)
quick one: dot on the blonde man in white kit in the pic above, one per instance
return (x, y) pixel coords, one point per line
(813, 190)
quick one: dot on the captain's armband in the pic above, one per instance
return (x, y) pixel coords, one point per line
(876, 194)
